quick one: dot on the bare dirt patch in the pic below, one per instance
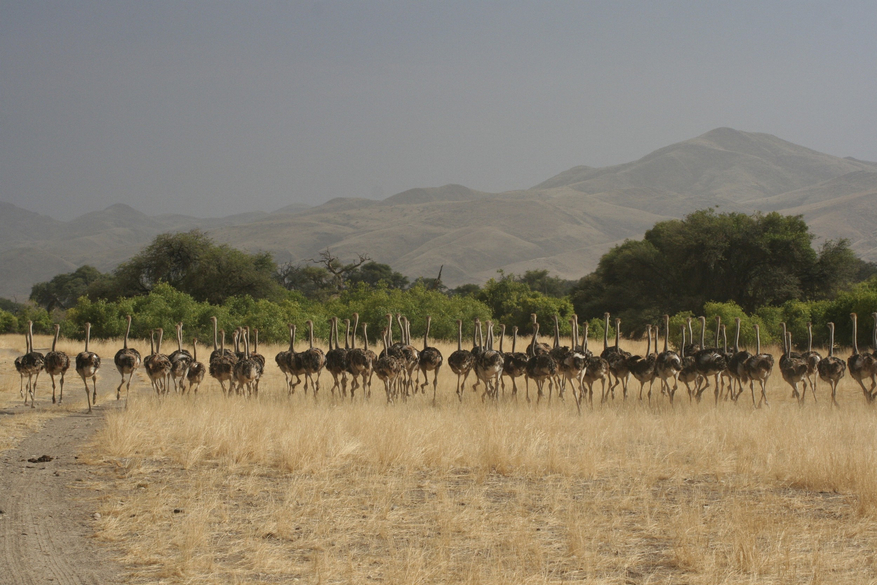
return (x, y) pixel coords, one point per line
(47, 521)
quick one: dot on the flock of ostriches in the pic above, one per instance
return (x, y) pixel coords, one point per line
(400, 365)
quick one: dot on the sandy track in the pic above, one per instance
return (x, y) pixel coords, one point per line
(46, 524)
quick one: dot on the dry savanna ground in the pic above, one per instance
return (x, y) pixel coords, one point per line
(204, 489)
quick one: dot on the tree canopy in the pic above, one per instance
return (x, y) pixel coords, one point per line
(64, 289)
(752, 260)
(192, 263)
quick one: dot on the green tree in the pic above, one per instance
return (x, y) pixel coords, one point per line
(466, 290)
(8, 322)
(511, 302)
(550, 286)
(373, 273)
(64, 289)
(192, 263)
(753, 260)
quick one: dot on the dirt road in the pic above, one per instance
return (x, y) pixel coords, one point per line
(46, 510)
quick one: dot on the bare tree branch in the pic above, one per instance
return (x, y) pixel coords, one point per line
(339, 270)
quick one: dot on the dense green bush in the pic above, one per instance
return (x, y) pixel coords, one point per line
(512, 302)
(752, 260)
(164, 307)
(8, 322)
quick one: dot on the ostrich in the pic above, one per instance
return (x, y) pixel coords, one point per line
(237, 337)
(313, 361)
(87, 365)
(515, 362)
(56, 364)
(461, 361)
(388, 368)
(410, 354)
(831, 369)
(19, 366)
(478, 347)
(709, 361)
(618, 366)
(390, 348)
(758, 367)
(371, 358)
(596, 368)
(813, 357)
(216, 351)
(793, 369)
(258, 358)
(488, 366)
(246, 370)
(558, 352)
(692, 347)
(582, 348)
(180, 359)
(196, 372)
(668, 364)
(284, 358)
(32, 364)
(157, 365)
(336, 358)
(726, 375)
(643, 368)
(736, 364)
(430, 360)
(221, 367)
(539, 348)
(573, 365)
(791, 355)
(861, 365)
(219, 351)
(296, 363)
(540, 367)
(607, 350)
(688, 373)
(395, 349)
(127, 361)
(359, 363)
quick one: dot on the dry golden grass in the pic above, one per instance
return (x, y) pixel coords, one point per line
(212, 490)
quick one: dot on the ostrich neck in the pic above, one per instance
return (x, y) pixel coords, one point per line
(855, 337)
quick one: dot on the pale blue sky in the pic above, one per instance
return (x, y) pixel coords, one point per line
(213, 108)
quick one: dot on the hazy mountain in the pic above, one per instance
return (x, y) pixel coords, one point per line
(563, 224)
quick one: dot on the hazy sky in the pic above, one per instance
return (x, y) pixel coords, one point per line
(212, 108)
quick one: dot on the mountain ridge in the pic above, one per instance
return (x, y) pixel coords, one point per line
(564, 223)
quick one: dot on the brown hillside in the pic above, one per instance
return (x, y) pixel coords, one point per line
(563, 224)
